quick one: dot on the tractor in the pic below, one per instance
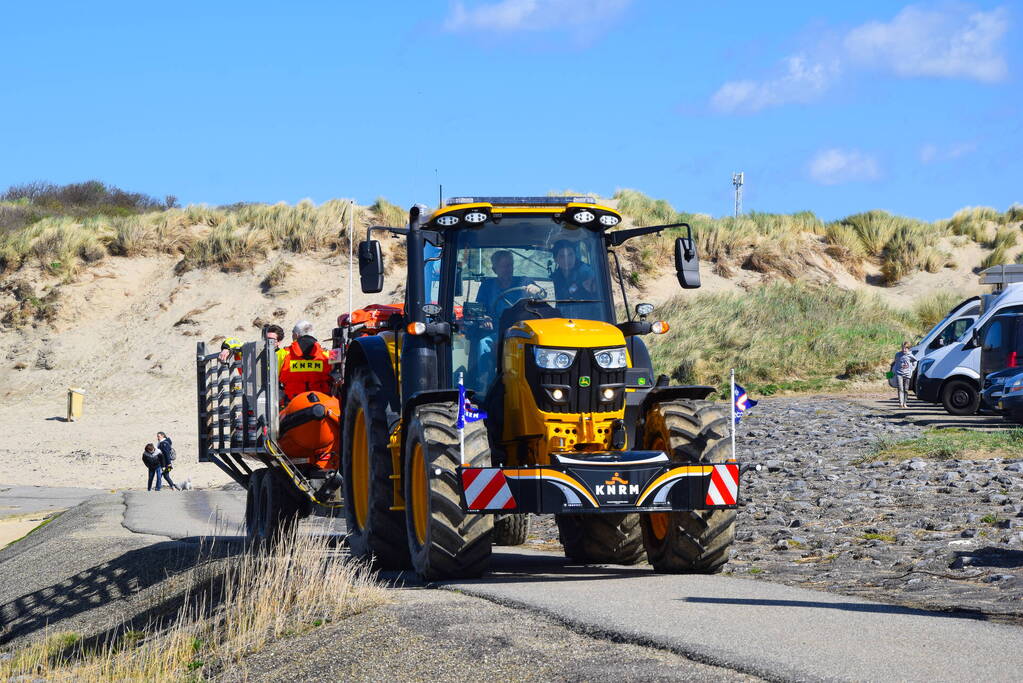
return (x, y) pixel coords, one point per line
(572, 420)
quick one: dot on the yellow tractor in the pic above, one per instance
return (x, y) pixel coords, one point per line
(506, 385)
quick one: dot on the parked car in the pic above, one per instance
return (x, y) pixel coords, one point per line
(994, 386)
(1010, 404)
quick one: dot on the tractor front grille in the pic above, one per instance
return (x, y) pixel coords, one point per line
(578, 398)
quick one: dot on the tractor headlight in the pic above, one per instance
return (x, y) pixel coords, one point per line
(554, 359)
(610, 359)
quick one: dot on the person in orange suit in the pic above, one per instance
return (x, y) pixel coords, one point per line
(303, 366)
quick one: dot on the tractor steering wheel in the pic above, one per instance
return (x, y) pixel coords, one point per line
(503, 294)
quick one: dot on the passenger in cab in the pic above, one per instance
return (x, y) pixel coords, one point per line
(572, 278)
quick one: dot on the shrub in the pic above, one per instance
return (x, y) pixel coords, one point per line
(932, 308)
(389, 214)
(998, 257)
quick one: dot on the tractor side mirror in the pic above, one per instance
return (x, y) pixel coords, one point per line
(687, 263)
(371, 266)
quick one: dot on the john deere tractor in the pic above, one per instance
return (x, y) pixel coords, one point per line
(572, 419)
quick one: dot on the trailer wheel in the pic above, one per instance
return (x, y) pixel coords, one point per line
(277, 511)
(444, 541)
(601, 538)
(374, 530)
(698, 540)
(960, 397)
(511, 529)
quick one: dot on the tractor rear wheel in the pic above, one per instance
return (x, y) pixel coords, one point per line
(374, 530)
(698, 540)
(444, 541)
(601, 538)
(511, 529)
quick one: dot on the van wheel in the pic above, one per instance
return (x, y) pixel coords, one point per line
(960, 397)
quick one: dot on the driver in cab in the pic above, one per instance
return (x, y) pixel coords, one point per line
(501, 292)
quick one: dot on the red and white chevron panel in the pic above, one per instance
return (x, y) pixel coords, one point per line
(487, 489)
(724, 485)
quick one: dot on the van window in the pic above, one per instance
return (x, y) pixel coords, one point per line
(993, 336)
(1001, 311)
(951, 332)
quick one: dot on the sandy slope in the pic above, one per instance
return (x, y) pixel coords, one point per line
(119, 337)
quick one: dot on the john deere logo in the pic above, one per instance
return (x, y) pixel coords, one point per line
(584, 381)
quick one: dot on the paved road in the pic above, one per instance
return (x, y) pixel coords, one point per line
(760, 628)
(20, 500)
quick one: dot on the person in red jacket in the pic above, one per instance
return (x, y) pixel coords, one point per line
(303, 366)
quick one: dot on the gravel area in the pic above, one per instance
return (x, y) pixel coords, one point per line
(939, 534)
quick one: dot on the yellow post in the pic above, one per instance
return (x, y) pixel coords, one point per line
(75, 403)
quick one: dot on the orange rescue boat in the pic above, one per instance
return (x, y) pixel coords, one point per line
(310, 429)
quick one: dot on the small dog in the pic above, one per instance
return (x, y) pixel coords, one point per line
(187, 486)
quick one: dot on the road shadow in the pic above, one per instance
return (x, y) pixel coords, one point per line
(57, 418)
(932, 415)
(108, 582)
(518, 567)
(871, 608)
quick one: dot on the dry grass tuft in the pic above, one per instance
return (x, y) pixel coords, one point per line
(233, 607)
(931, 309)
(276, 276)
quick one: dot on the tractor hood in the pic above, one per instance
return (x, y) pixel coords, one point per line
(571, 333)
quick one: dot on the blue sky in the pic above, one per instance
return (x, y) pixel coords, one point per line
(831, 107)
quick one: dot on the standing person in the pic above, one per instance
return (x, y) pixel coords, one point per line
(903, 367)
(167, 456)
(151, 459)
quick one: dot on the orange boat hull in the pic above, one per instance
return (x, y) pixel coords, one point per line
(310, 429)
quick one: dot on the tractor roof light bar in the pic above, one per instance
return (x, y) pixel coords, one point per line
(520, 201)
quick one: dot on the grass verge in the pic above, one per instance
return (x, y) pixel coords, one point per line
(950, 444)
(780, 337)
(232, 607)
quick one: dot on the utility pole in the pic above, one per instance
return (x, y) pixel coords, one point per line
(737, 181)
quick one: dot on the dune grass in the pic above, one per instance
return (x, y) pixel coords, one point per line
(949, 444)
(233, 607)
(932, 309)
(792, 245)
(230, 238)
(784, 336)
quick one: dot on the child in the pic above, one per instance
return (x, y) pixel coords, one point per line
(151, 459)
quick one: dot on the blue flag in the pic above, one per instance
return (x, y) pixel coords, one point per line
(742, 402)
(466, 411)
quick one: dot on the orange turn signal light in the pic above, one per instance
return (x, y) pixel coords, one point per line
(416, 328)
(660, 327)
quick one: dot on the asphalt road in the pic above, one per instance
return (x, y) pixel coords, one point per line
(758, 628)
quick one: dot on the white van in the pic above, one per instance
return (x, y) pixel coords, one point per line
(950, 375)
(951, 327)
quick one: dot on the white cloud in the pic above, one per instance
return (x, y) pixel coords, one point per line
(932, 153)
(801, 81)
(838, 166)
(533, 15)
(954, 43)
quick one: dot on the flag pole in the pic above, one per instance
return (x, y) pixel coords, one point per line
(732, 391)
(351, 252)
(461, 421)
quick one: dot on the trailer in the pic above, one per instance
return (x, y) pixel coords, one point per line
(239, 426)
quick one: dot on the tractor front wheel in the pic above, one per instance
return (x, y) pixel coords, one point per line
(699, 540)
(444, 541)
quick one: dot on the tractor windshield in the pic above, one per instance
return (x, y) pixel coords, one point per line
(501, 268)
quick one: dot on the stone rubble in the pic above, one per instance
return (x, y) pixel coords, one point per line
(936, 534)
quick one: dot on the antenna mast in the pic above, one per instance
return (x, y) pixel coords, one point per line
(737, 182)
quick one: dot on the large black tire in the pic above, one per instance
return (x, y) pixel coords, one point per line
(374, 530)
(278, 511)
(698, 541)
(960, 397)
(601, 538)
(444, 541)
(511, 529)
